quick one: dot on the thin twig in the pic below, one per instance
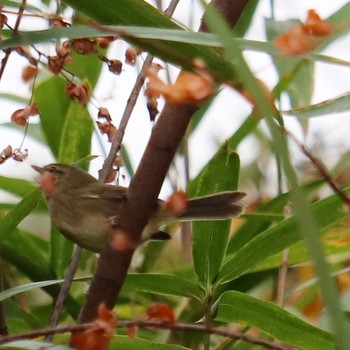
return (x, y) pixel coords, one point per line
(321, 169)
(283, 270)
(15, 30)
(282, 278)
(64, 291)
(108, 163)
(117, 141)
(154, 325)
(3, 325)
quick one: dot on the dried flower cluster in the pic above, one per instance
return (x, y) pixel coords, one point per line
(16, 154)
(108, 128)
(99, 334)
(304, 37)
(78, 92)
(29, 72)
(188, 88)
(177, 203)
(3, 20)
(114, 66)
(131, 55)
(21, 116)
(58, 62)
(161, 312)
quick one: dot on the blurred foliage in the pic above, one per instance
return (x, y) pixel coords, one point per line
(230, 278)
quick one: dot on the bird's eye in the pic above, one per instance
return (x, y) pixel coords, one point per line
(54, 169)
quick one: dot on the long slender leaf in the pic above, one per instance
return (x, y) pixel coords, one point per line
(306, 221)
(75, 141)
(328, 212)
(210, 238)
(163, 284)
(18, 187)
(126, 343)
(334, 105)
(8, 293)
(53, 104)
(11, 220)
(272, 209)
(241, 308)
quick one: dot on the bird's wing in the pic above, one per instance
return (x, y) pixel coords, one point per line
(103, 191)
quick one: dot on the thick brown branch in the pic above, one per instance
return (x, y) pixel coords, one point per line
(230, 10)
(141, 198)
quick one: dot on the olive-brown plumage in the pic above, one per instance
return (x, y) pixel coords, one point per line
(85, 210)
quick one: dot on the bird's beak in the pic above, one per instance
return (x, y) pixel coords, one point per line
(37, 168)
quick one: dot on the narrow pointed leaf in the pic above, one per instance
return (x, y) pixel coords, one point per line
(236, 307)
(210, 238)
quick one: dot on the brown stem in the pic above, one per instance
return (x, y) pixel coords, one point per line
(321, 169)
(117, 141)
(3, 325)
(15, 30)
(283, 270)
(230, 10)
(64, 291)
(153, 325)
(141, 198)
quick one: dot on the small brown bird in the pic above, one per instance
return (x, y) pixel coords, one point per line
(85, 210)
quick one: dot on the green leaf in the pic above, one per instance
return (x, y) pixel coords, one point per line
(327, 212)
(22, 252)
(31, 261)
(172, 45)
(11, 220)
(33, 345)
(8, 293)
(265, 215)
(307, 222)
(123, 12)
(274, 321)
(75, 140)
(14, 98)
(53, 104)
(296, 74)
(18, 187)
(245, 18)
(126, 343)
(162, 284)
(61, 250)
(333, 105)
(86, 67)
(210, 238)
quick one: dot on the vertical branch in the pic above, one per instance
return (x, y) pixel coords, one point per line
(64, 292)
(143, 193)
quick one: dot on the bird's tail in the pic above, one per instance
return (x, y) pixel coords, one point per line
(219, 206)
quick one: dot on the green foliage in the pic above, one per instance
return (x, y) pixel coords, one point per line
(221, 261)
(241, 308)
